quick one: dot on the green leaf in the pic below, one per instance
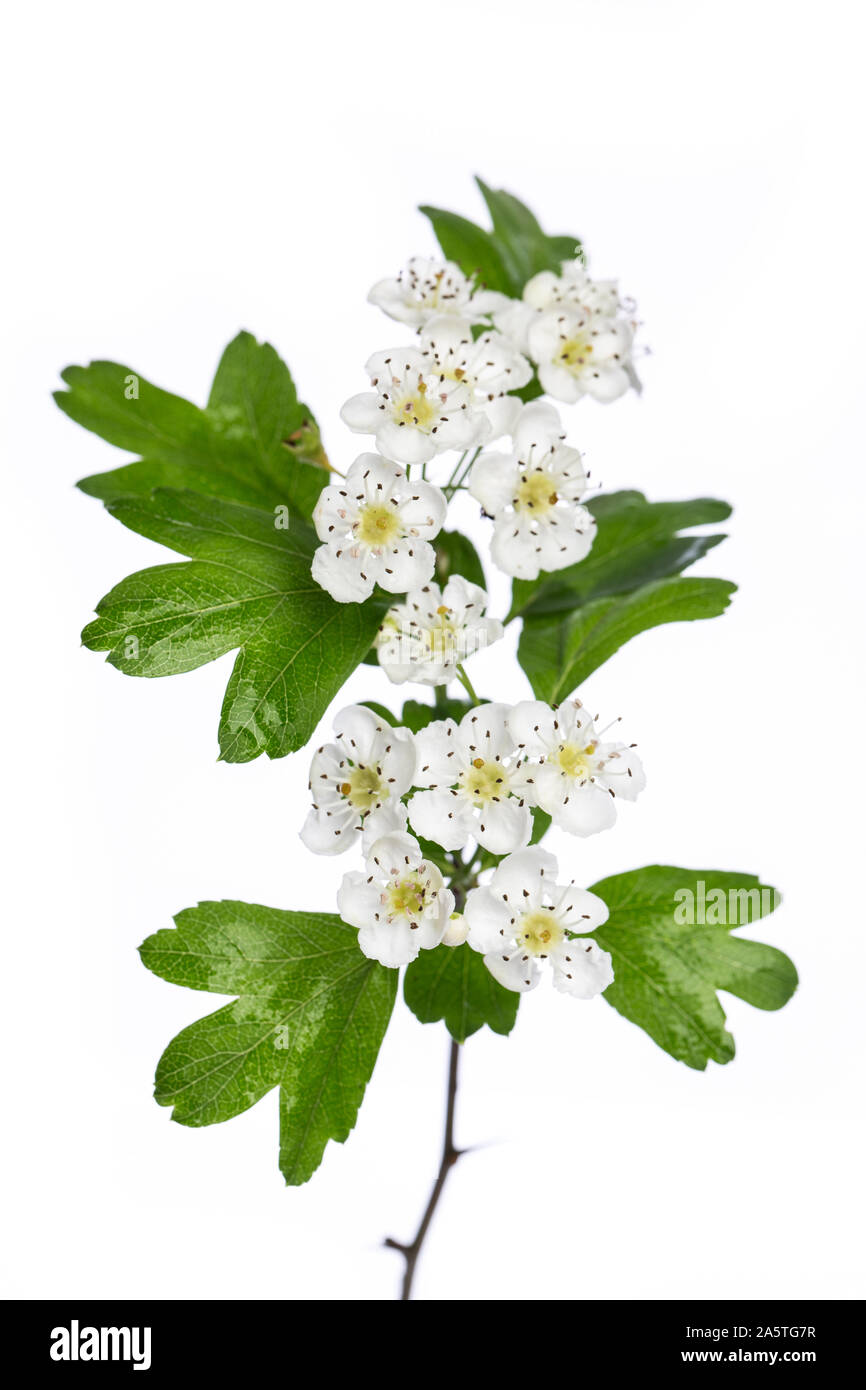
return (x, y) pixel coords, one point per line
(525, 248)
(455, 554)
(636, 542)
(559, 651)
(669, 961)
(255, 442)
(247, 586)
(454, 984)
(310, 1016)
(471, 247)
(512, 253)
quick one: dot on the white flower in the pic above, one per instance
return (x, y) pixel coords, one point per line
(415, 412)
(578, 777)
(533, 495)
(475, 783)
(426, 287)
(425, 637)
(572, 287)
(376, 526)
(524, 917)
(490, 366)
(579, 354)
(400, 905)
(357, 781)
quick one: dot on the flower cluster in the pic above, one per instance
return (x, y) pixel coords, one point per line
(452, 784)
(460, 798)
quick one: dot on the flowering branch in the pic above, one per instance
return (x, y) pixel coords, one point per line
(443, 804)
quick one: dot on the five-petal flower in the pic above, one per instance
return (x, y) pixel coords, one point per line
(475, 785)
(376, 526)
(357, 782)
(523, 918)
(426, 636)
(533, 495)
(400, 905)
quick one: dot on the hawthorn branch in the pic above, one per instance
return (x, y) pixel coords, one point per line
(450, 1155)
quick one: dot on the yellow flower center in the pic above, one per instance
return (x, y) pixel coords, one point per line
(574, 760)
(406, 897)
(364, 788)
(377, 525)
(440, 640)
(574, 354)
(535, 494)
(539, 932)
(484, 781)
(415, 408)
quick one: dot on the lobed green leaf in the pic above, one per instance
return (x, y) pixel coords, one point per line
(254, 443)
(310, 1016)
(668, 968)
(247, 586)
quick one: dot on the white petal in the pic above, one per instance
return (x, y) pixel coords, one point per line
(514, 548)
(361, 413)
(538, 429)
(389, 819)
(394, 853)
(357, 900)
(334, 513)
(534, 727)
(502, 413)
(605, 384)
(514, 319)
(624, 772)
(358, 728)
(343, 576)
(523, 876)
(541, 291)
(404, 442)
(504, 826)
(484, 732)
(493, 482)
(581, 968)
(463, 429)
(560, 383)
(424, 508)
(408, 564)
(490, 921)
(463, 598)
(516, 971)
(584, 810)
(579, 910)
(437, 748)
(441, 817)
(390, 943)
(330, 834)
(398, 761)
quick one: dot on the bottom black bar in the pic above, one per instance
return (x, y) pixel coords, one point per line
(78, 1337)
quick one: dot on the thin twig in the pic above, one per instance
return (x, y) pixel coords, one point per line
(450, 1155)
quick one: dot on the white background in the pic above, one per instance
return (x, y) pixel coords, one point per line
(177, 172)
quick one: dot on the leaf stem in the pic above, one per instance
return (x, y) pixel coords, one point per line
(450, 1155)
